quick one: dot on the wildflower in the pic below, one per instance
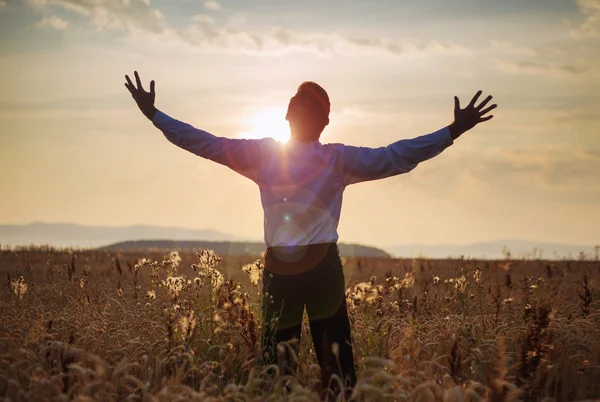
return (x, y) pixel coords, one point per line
(198, 282)
(374, 293)
(19, 286)
(254, 271)
(362, 287)
(174, 258)
(207, 268)
(477, 275)
(461, 284)
(508, 300)
(208, 260)
(151, 294)
(409, 280)
(81, 282)
(175, 284)
(436, 280)
(187, 324)
(392, 280)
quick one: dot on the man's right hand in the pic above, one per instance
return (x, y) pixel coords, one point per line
(467, 118)
(144, 100)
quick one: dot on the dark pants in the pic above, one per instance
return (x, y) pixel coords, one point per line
(310, 276)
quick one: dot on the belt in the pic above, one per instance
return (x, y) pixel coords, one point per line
(294, 260)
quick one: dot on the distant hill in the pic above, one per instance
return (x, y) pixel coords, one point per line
(234, 248)
(495, 250)
(73, 235)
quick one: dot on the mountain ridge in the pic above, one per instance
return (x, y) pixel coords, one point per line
(86, 236)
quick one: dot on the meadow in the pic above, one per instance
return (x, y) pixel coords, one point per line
(158, 326)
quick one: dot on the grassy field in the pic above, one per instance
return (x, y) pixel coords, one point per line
(91, 325)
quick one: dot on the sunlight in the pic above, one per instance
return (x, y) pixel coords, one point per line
(266, 122)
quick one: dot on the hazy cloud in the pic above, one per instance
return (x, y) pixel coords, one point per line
(2, 4)
(140, 16)
(591, 24)
(547, 166)
(212, 5)
(540, 67)
(576, 114)
(278, 40)
(52, 22)
(128, 15)
(203, 19)
(512, 48)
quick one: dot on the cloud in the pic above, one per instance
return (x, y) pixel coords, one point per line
(138, 16)
(277, 41)
(2, 4)
(548, 166)
(212, 5)
(512, 48)
(127, 15)
(591, 24)
(576, 115)
(203, 19)
(52, 22)
(539, 67)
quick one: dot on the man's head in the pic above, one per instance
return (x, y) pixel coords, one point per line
(308, 112)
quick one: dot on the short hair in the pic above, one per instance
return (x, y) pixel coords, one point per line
(316, 96)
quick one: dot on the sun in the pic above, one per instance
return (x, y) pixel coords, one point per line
(266, 122)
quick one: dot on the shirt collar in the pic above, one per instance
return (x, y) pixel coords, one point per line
(293, 141)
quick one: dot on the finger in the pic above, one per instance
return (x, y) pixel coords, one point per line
(456, 103)
(484, 111)
(485, 118)
(475, 98)
(485, 102)
(139, 82)
(152, 86)
(129, 88)
(129, 82)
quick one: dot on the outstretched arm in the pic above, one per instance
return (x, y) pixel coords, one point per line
(363, 164)
(243, 156)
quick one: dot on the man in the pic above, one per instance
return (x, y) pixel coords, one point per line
(301, 185)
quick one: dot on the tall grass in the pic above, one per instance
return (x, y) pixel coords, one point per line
(92, 325)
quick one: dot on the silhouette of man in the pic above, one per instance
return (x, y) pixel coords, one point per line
(301, 185)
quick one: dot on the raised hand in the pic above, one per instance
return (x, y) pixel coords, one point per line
(144, 100)
(467, 118)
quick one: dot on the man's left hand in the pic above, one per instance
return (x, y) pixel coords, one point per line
(467, 118)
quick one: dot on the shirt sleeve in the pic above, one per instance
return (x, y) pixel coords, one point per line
(241, 155)
(360, 164)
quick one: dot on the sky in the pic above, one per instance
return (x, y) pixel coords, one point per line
(75, 148)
